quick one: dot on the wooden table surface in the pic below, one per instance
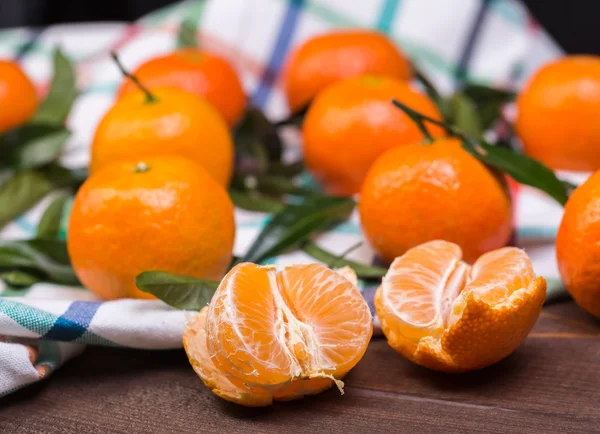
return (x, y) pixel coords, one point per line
(550, 384)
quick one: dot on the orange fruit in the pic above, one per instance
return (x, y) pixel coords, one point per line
(441, 313)
(17, 96)
(353, 122)
(418, 193)
(177, 123)
(157, 213)
(278, 335)
(577, 245)
(204, 74)
(557, 114)
(325, 59)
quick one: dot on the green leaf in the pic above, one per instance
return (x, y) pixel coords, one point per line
(187, 37)
(50, 223)
(488, 101)
(50, 258)
(295, 224)
(27, 187)
(257, 142)
(520, 167)
(63, 92)
(23, 190)
(362, 271)
(270, 184)
(19, 279)
(464, 115)
(33, 145)
(182, 292)
(253, 201)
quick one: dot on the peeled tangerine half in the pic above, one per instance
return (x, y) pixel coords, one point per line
(446, 315)
(279, 335)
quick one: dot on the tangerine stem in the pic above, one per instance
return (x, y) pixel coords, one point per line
(417, 118)
(150, 98)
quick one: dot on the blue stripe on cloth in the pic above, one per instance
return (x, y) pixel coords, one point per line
(31, 42)
(465, 57)
(74, 322)
(282, 44)
(387, 14)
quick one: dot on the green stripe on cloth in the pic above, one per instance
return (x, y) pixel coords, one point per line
(190, 10)
(29, 317)
(40, 322)
(387, 14)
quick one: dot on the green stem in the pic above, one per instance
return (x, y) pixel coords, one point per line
(150, 98)
(417, 118)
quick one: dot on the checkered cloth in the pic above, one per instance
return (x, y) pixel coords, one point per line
(487, 41)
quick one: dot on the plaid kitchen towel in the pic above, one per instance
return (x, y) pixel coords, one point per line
(490, 41)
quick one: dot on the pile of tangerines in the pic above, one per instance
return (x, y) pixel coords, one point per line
(454, 298)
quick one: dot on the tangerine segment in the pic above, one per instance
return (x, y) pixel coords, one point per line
(278, 335)
(442, 314)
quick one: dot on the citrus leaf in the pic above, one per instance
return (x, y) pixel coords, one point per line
(23, 190)
(182, 292)
(50, 258)
(295, 224)
(63, 92)
(289, 170)
(33, 145)
(187, 35)
(464, 115)
(50, 223)
(520, 167)
(252, 201)
(362, 271)
(489, 101)
(19, 279)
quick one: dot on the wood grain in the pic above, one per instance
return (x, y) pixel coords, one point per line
(551, 384)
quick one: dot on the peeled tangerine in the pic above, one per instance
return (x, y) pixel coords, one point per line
(279, 335)
(446, 315)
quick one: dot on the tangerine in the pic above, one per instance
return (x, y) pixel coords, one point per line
(175, 122)
(204, 74)
(17, 96)
(577, 244)
(557, 114)
(153, 213)
(278, 335)
(352, 122)
(441, 313)
(418, 193)
(325, 59)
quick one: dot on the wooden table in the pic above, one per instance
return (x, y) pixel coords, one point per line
(551, 384)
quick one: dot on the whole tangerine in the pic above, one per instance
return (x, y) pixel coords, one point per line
(353, 122)
(418, 193)
(174, 122)
(204, 74)
(153, 213)
(557, 114)
(325, 59)
(577, 244)
(17, 96)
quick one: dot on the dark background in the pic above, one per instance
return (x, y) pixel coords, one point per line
(573, 23)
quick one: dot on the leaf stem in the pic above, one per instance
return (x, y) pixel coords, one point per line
(417, 118)
(150, 98)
